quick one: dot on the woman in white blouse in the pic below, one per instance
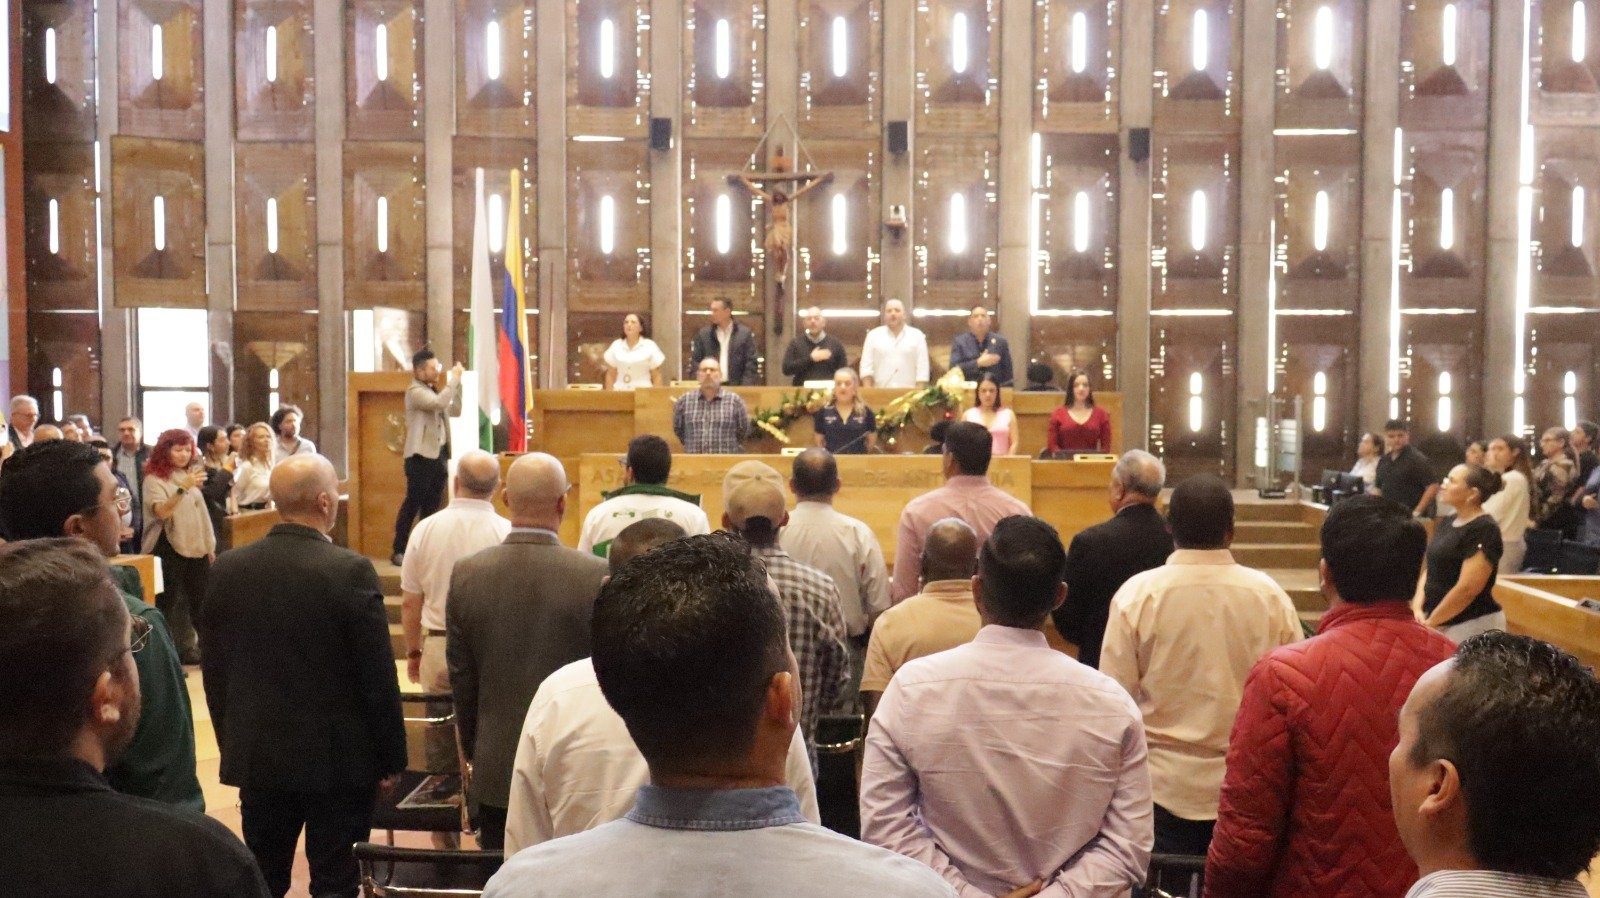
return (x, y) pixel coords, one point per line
(254, 473)
(1367, 453)
(1511, 507)
(633, 360)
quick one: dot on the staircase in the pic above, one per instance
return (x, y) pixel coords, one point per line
(1274, 538)
(389, 579)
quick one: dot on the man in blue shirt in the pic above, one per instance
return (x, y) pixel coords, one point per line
(981, 351)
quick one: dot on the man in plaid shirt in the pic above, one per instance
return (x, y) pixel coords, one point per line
(710, 419)
(810, 603)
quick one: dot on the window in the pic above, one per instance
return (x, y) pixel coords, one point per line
(273, 398)
(1080, 222)
(840, 213)
(50, 56)
(1197, 220)
(1569, 400)
(608, 224)
(497, 223)
(1078, 50)
(272, 228)
(841, 46)
(1319, 401)
(55, 226)
(492, 58)
(724, 224)
(1197, 417)
(1580, 31)
(58, 403)
(1577, 216)
(957, 224)
(364, 349)
(607, 62)
(1447, 219)
(1447, 34)
(271, 54)
(1200, 38)
(722, 48)
(382, 226)
(380, 49)
(158, 62)
(158, 222)
(1445, 405)
(174, 357)
(1322, 38)
(1319, 222)
(959, 48)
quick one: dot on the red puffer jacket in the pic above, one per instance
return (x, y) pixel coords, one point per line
(1305, 803)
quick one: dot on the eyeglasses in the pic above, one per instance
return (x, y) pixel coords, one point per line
(123, 499)
(138, 634)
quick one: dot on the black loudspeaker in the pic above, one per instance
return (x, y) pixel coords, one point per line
(899, 138)
(1138, 144)
(661, 134)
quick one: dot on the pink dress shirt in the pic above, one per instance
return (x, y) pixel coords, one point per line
(1004, 761)
(972, 498)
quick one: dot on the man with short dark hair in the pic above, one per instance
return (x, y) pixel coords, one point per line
(1181, 638)
(731, 343)
(429, 409)
(696, 618)
(1404, 473)
(967, 494)
(644, 494)
(1040, 376)
(285, 423)
(66, 489)
(981, 350)
(68, 656)
(128, 459)
(1003, 764)
(1496, 778)
(1305, 801)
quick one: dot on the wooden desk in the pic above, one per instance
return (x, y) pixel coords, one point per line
(1072, 495)
(1546, 607)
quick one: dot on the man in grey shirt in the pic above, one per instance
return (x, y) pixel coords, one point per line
(696, 618)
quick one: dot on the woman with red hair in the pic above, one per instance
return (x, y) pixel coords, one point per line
(177, 529)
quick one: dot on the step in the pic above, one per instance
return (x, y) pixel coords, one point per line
(1267, 511)
(1274, 532)
(388, 577)
(391, 608)
(1302, 587)
(397, 641)
(1277, 555)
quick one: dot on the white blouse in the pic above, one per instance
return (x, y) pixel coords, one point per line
(633, 365)
(250, 483)
(1510, 507)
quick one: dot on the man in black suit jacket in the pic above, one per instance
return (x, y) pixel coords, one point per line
(1107, 555)
(742, 367)
(300, 678)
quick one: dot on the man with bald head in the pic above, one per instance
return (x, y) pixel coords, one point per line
(299, 676)
(813, 354)
(941, 616)
(517, 612)
(810, 601)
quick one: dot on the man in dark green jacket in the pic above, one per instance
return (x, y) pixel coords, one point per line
(59, 488)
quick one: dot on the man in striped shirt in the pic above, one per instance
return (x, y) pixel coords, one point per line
(1496, 779)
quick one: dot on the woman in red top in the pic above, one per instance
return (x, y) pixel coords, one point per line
(1079, 425)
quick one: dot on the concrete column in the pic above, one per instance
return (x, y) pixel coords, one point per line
(1500, 326)
(1256, 201)
(783, 99)
(217, 28)
(550, 149)
(438, 129)
(1380, 117)
(1016, 179)
(117, 377)
(666, 186)
(333, 360)
(899, 105)
(1133, 227)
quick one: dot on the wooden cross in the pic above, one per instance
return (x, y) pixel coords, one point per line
(778, 188)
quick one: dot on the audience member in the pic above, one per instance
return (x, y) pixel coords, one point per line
(1079, 425)
(846, 425)
(936, 433)
(1404, 474)
(1305, 802)
(194, 417)
(895, 354)
(576, 765)
(68, 655)
(253, 477)
(644, 494)
(941, 616)
(1511, 508)
(1105, 556)
(1496, 777)
(429, 408)
(1457, 591)
(991, 414)
(285, 423)
(128, 459)
(981, 351)
(1555, 481)
(84, 427)
(1584, 439)
(70, 432)
(967, 494)
(47, 432)
(1368, 449)
(59, 489)
(730, 343)
(1181, 639)
(125, 501)
(217, 488)
(696, 619)
(813, 354)
(21, 421)
(507, 630)
(810, 602)
(710, 419)
(1040, 377)
(235, 443)
(746, 471)
(300, 679)
(1003, 764)
(1590, 503)
(177, 530)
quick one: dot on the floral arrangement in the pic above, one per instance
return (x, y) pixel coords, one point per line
(775, 421)
(941, 398)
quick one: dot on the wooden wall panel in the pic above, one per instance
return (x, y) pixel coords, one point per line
(63, 277)
(392, 275)
(69, 341)
(958, 66)
(1075, 343)
(730, 100)
(608, 69)
(949, 275)
(597, 279)
(169, 271)
(1187, 275)
(1076, 47)
(172, 105)
(1325, 346)
(1070, 277)
(275, 271)
(1182, 348)
(1435, 95)
(497, 158)
(1566, 212)
(384, 92)
(841, 92)
(494, 96)
(265, 341)
(828, 277)
(64, 109)
(1320, 63)
(280, 107)
(1447, 245)
(711, 269)
(1327, 277)
(1566, 85)
(1204, 97)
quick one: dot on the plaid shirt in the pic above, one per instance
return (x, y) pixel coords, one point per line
(710, 425)
(816, 634)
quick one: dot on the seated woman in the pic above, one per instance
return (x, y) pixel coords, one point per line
(1367, 454)
(633, 360)
(846, 426)
(986, 410)
(1079, 425)
(1456, 592)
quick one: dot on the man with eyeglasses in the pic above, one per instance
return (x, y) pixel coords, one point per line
(68, 656)
(57, 489)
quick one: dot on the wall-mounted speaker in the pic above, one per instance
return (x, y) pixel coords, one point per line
(1138, 144)
(899, 137)
(660, 133)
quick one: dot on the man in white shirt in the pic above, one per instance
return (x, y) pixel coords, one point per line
(194, 418)
(285, 423)
(576, 765)
(1181, 639)
(644, 494)
(838, 545)
(895, 354)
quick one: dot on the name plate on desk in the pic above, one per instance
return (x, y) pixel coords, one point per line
(586, 386)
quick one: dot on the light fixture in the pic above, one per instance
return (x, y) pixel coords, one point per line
(158, 222)
(607, 63)
(492, 57)
(1319, 402)
(273, 382)
(272, 225)
(957, 225)
(722, 48)
(158, 61)
(55, 226)
(270, 54)
(1580, 31)
(1578, 210)
(1448, 34)
(497, 223)
(383, 224)
(840, 37)
(1200, 41)
(49, 56)
(608, 224)
(1078, 54)
(1569, 401)
(724, 224)
(1197, 418)
(1080, 221)
(839, 211)
(58, 401)
(1322, 38)
(1447, 219)
(1197, 220)
(959, 50)
(380, 51)
(1319, 222)
(1446, 406)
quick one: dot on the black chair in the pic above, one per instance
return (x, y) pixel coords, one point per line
(1544, 551)
(390, 872)
(427, 716)
(1174, 876)
(840, 741)
(1580, 559)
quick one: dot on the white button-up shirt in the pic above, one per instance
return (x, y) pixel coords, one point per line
(577, 767)
(895, 361)
(1004, 761)
(464, 527)
(846, 550)
(1181, 639)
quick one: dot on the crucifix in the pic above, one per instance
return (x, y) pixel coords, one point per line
(778, 188)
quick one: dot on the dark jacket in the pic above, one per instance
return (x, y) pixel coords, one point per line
(216, 490)
(964, 352)
(131, 546)
(797, 363)
(517, 612)
(299, 670)
(1100, 560)
(159, 762)
(743, 364)
(68, 833)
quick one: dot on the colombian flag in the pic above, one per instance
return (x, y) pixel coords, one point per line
(512, 339)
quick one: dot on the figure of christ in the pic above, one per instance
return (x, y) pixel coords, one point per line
(780, 230)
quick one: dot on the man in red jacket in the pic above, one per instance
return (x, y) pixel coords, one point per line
(1305, 803)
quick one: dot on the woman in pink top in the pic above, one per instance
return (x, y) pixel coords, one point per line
(995, 418)
(1079, 425)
